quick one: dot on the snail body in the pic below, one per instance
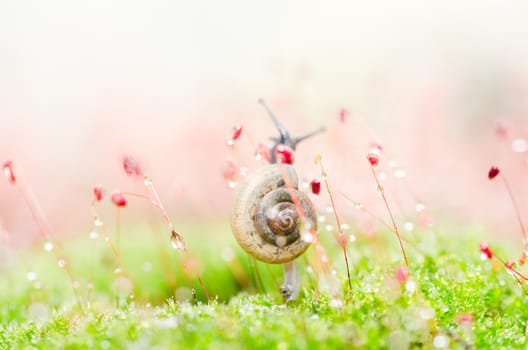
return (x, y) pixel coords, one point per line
(269, 215)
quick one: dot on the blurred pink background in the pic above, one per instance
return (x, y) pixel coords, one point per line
(84, 83)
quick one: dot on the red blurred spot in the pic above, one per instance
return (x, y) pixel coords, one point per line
(284, 154)
(373, 158)
(230, 170)
(237, 131)
(402, 273)
(131, 166)
(7, 168)
(501, 129)
(118, 199)
(98, 192)
(343, 115)
(509, 264)
(464, 318)
(316, 186)
(484, 249)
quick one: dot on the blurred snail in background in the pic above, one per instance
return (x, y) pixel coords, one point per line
(269, 214)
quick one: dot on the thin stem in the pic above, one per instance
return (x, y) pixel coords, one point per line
(118, 229)
(380, 220)
(516, 208)
(175, 236)
(341, 237)
(45, 231)
(394, 226)
(113, 247)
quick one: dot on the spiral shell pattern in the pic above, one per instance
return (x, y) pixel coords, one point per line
(265, 218)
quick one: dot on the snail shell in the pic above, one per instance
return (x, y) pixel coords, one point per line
(264, 218)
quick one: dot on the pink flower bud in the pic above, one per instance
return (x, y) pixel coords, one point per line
(118, 199)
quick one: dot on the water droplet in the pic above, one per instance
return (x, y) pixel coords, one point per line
(61, 263)
(227, 254)
(31, 276)
(410, 286)
(440, 341)
(75, 284)
(94, 235)
(258, 156)
(408, 226)
(352, 238)
(427, 313)
(519, 145)
(117, 270)
(231, 184)
(307, 237)
(420, 207)
(98, 222)
(329, 209)
(230, 142)
(321, 218)
(309, 269)
(358, 205)
(400, 173)
(243, 170)
(380, 189)
(48, 246)
(147, 181)
(324, 258)
(483, 256)
(177, 244)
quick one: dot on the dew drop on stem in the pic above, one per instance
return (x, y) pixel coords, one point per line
(48, 246)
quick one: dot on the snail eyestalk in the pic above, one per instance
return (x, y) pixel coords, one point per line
(285, 138)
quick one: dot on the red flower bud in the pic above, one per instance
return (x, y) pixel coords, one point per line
(284, 154)
(493, 172)
(237, 131)
(484, 249)
(509, 264)
(316, 186)
(8, 171)
(402, 273)
(373, 158)
(98, 192)
(131, 166)
(118, 199)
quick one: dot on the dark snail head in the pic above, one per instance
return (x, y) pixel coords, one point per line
(284, 136)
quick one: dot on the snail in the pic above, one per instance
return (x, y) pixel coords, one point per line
(269, 214)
